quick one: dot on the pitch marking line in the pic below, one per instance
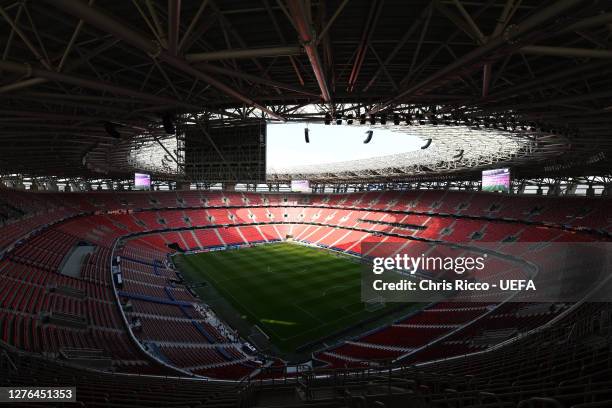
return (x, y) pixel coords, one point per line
(307, 312)
(246, 310)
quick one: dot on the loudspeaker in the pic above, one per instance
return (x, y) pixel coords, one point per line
(111, 130)
(168, 122)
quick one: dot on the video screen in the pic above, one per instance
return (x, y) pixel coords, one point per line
(142, 181)
(497, 180)
(300, 186)
(316, 235)
(226, 152)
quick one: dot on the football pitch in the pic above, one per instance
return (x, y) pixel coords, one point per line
(295, 294)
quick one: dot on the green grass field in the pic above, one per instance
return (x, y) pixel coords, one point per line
(294, 293)
(496, 187)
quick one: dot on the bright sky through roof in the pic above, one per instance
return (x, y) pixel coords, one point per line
(331, 143)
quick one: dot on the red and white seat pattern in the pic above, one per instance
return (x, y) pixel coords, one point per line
(39, 236)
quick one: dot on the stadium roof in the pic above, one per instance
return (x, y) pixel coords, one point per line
(72, 70)
(450, 149)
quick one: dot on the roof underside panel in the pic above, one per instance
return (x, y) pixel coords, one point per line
(70, 70)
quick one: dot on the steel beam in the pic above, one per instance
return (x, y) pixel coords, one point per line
(168, 151)
(27, 70)
(471, 23)
(25, 39)
(302, 21)
(476, 58)
(486, 79)
(281, 51)
(64, 101)
(70, 44)
(227, 26)
(565, 52)
(606, 94)
(400, 44)
(386, 71)
(362, 49)
(444, 45)
(252, 78)
(73, 65)
(174, 22)
(595, 21)
(331, 21)
(22, 84)
(506, 15)
(108, 24)
(502, 22)
(11, 36)
(326, 47)
(159, 29)
(458, 21)
(417, 51)
(47, 116)
(193, 23)
(281, 36)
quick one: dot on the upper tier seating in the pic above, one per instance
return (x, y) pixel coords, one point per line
(98, 389)
(46, 312)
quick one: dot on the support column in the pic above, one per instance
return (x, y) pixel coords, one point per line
(590, 192)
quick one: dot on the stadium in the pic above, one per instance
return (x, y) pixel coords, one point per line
(298, 203)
